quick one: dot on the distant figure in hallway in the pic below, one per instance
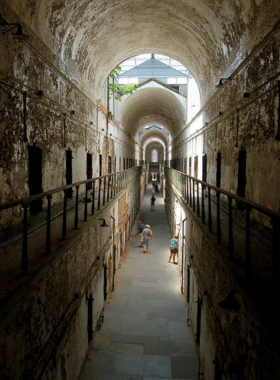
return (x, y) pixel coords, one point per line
(156, 188)
(173, 246)
(147, 236)
(140, 232)
(154, 178)
(153, 199)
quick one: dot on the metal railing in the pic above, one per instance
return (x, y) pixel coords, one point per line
(101, 190)
(202, 196)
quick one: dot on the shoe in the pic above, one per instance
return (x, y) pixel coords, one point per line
(144, 251)
(141, 246)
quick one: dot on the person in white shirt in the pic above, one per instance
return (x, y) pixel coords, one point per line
(147, 236)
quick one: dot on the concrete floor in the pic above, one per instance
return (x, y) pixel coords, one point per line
(145, 335)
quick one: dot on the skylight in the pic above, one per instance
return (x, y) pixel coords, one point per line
(138, 59)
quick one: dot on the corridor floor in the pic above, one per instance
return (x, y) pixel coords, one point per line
(145, 335)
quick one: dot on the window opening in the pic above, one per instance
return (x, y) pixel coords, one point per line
(154, 157)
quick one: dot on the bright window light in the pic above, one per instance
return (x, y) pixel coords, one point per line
(171, 80)
(182, 80)
(133, 80)
(123, 80)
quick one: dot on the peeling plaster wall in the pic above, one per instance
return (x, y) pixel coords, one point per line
(241, 340)
(235, 122)
(49, 320)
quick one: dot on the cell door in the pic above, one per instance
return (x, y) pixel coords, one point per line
(219, 170)
(109, 165)
(100, 165)
(218, 370)
(90, 317)
(195, 167)
(89, 169)
(69, 172)
(198, 320)
(188, 284)
(35, 177)
(190, 166)
(105, 282)
(241, 173)
(204, 168)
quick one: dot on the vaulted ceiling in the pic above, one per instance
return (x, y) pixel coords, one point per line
(93, 36)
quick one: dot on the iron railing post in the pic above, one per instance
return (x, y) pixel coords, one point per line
(24, 257)
(190, 191)
(219, 232)
(187, 189)
(93, 199)
(275, 255)
(108, 192)
(86, 203)
(104, 191)
(209, 211)
(48, 235)
(230, 228)
(197, 199)
(202, 204)
(99, 194)
(112, 185)
(248, 242)
(64, 220)
(193, 193)
(76, 219)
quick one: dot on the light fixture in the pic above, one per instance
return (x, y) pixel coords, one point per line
(18, 35)
(221, 83)
(230, 303)
(104, 224)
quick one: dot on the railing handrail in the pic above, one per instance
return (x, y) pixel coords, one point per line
(32, 198)
(238, 198)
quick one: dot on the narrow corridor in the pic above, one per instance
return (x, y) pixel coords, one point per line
(145, 335)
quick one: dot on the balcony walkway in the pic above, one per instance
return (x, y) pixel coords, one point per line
(144, 335)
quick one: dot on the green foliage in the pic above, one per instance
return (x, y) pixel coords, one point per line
(120, 90)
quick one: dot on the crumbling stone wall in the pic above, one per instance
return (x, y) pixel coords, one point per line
(44, 330)
(243, 114)
(234, 337)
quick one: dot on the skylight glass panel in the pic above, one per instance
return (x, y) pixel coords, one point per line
(171, 80)
(123, 80)
(133, 80)
(182, 80)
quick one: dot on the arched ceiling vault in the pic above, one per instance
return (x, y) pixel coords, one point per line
(154, 134)
(154, 145)
(152, 106)
(93, 36)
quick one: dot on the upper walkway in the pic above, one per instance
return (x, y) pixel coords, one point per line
(145, 334)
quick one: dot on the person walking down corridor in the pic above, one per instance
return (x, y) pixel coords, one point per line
(140, 232)
(173, 246)
(153, 199)
(147, 236)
